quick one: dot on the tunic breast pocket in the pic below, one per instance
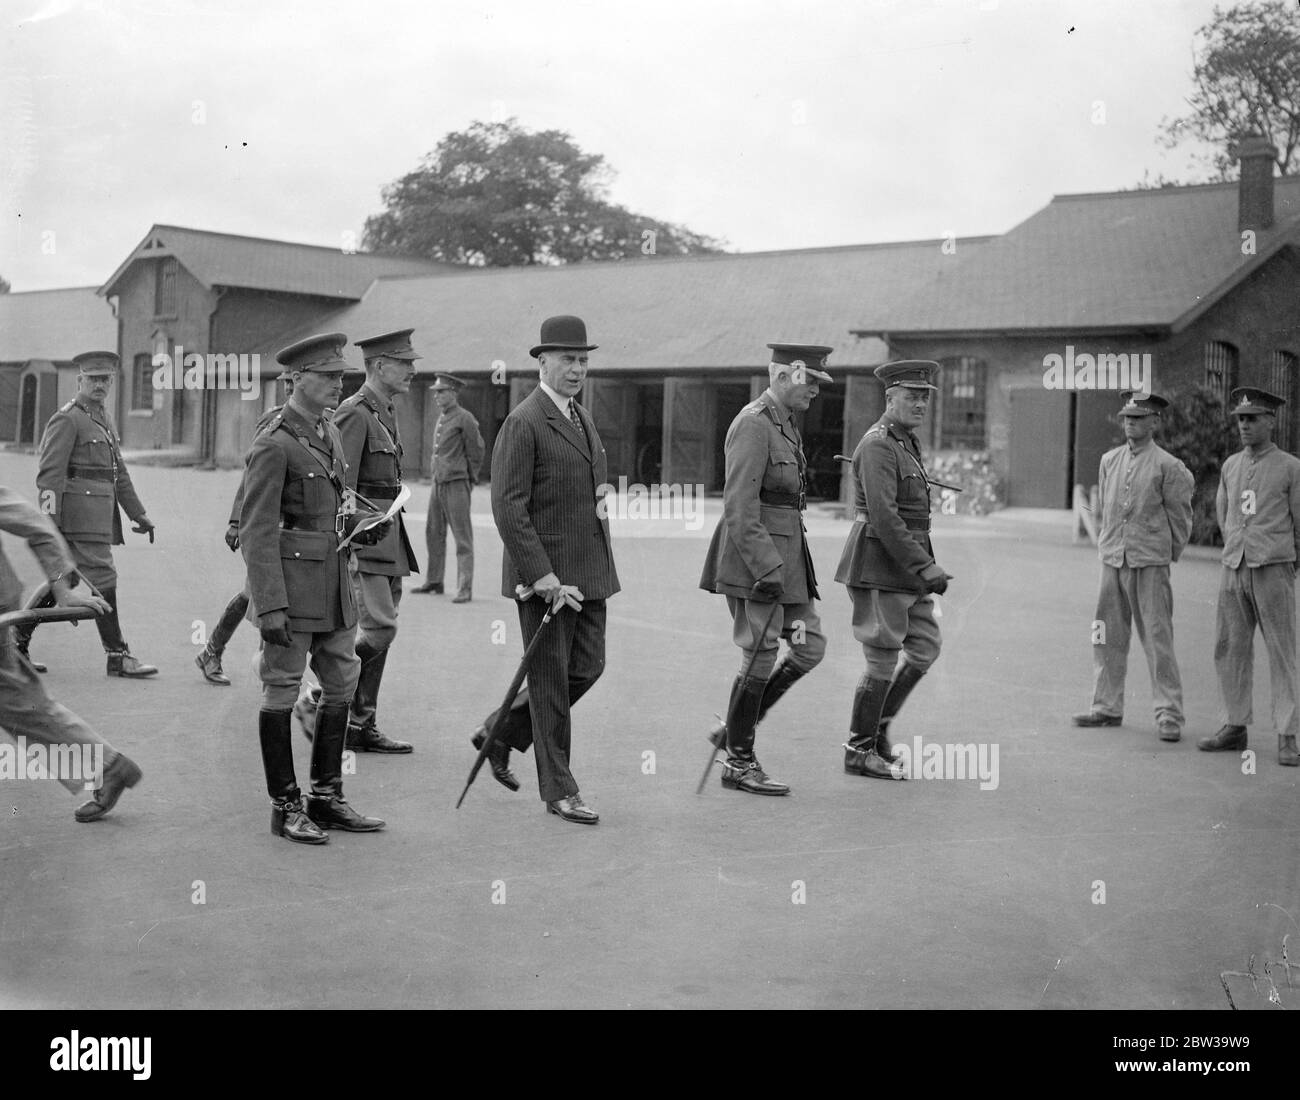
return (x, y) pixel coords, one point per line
(302, 558)
(782, 470)
(311, 493)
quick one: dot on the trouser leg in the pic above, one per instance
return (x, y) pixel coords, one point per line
(1273, 589)
(1234, 644)
(456, 501)
(435, 535)
(1111, 633)
(1152, 600)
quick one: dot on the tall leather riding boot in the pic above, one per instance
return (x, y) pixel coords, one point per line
(120, 661)
(905, 679)
(326, 805)
(860, 755)
(23, 634)
(781, 680)
(741, 770)
(363, 735)
(229, 622)
(287, 816)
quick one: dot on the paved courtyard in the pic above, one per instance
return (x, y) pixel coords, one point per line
(1099, 869)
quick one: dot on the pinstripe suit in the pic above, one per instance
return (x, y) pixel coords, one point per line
(544, 483)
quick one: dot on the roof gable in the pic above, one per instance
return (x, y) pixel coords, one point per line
(224, 259)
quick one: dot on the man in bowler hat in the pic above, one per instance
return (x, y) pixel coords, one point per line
(1258, 507)
(889, 568)
(759, 557)
(1144, 501)
(547, 468)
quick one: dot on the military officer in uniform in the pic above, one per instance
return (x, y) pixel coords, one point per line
(457, 455)
(1258, 506)
(82, 482)
(25, 710)
(296, 509)
(889, 568)
(209, 658)
(372, 447)
(759, 558)
(1144, 500)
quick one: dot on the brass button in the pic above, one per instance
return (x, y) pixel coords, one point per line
(296, 554)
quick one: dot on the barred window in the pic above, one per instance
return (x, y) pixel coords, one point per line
(1220, 369)
(142, 382)
(1282, 372)
(164, 287)
(961, 403)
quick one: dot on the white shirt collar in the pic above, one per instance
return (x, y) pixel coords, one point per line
(561, 402)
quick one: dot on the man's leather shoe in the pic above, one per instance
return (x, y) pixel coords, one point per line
(573, 809)
(429, 586)
(1228, 739)
(121, 663)
(870, 763)
(1287, 755)
(370, 739)
(37, 666)
(462, 598)
(290, 820)
(305, 710)
(1092, 718)
(209, 662)
(1169, 731)
(748, 775)
(333, 812)
(118, 776)
(498, 758)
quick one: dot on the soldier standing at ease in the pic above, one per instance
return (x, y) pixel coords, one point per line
(1259, 513)
(457, 455)
(296, 509)
(759, 557)
(25, 710)
(889, 568)
(372, 448)
(1144, 497)
(209, 659)
(81, 483)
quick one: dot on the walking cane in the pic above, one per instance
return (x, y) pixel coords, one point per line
(521, 593)
(713, 756)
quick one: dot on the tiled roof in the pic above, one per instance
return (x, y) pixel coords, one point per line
(55, 324)
(223, 259)
(712, 311)
(1128, 258)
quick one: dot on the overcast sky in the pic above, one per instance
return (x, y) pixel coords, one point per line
(768, 123)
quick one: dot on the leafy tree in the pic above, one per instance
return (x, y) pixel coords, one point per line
(1247, 80)
(498, 195)
(1196, 430)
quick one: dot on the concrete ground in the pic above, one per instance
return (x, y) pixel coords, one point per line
(1105, 869)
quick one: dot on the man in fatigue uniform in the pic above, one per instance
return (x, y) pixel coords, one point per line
(81, 482)
(25, 710)
(372, 447)
(889, 568)
(457, 455)
(759, 557)
(296, 508)
(1259, 513)
(209, 659)
(1144, 497)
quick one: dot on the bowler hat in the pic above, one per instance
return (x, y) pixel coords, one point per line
(563, 333)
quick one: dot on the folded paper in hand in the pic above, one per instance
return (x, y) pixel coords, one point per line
(377, 519)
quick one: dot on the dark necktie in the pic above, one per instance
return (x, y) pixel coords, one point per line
(577, 421)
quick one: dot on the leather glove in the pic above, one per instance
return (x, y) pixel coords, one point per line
(232, 536)
(769, 590)
(143, 526)
(936, 580)
(371, 535)
(274, 628)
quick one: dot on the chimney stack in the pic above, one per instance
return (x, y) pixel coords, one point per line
(1255, 192)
